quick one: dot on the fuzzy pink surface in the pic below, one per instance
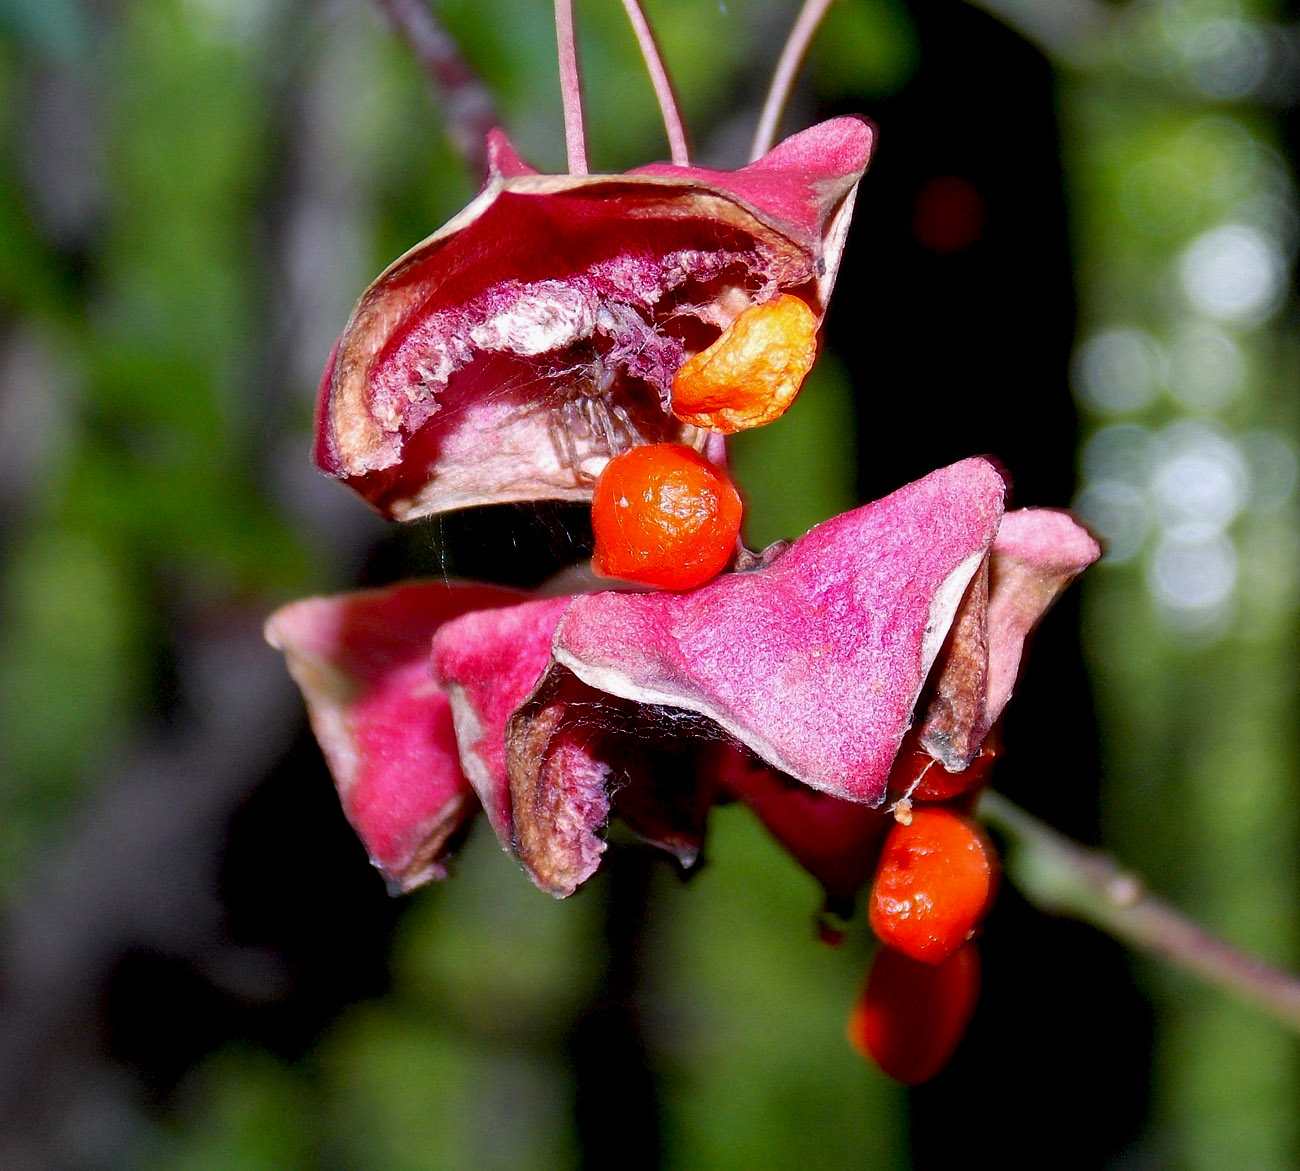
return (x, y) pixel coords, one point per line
(814, 662)
(509, 355)
(488, 662)
(1038, 552)
(790, 182)
(385, 727)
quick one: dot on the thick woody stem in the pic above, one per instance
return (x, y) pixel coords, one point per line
(1063, 877)
(1072, 32)
(659, 78)
(796, 45)
(617, 1091)
(468, 107)
(575, 137)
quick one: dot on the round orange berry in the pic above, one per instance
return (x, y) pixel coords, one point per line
(911, 1016)
(933, 884)
(663, 515)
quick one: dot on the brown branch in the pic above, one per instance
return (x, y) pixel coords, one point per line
(467, 103)
(1063, 877)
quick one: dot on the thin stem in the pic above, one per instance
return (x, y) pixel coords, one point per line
(575, 137)
(787, 67)
(663, 84)
(467, 103)
(1063, 877)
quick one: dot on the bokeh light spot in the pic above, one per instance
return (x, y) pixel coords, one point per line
(1118, 514)
(1199, 483)
(1207, 369)
(1118, 370)
(1233, 273)
(1192, 578)
(948, 215)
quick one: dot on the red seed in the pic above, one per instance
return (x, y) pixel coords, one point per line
(911, 1016)
(933, 884)
(922, 778)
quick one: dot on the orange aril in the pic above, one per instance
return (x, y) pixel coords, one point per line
(754, 370)
(911, 1016)
(933, 884)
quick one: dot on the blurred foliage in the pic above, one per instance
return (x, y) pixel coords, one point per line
(865, 50)
(194, 192)
(1191, 629)
(752, 1079)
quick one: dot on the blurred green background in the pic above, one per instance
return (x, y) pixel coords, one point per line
(1075, 251)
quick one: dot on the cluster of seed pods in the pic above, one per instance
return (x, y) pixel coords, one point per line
(548, 344)
(664, 516)
(934, 882)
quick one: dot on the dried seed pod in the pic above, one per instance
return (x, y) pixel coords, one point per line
(510, 355)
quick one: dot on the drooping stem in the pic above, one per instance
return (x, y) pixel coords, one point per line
(1063, 877)
(468, 107)
(663, 84)
(787, 67)
(575, 135)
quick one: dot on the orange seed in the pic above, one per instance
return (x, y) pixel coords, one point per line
(663, 515)
(754, 370)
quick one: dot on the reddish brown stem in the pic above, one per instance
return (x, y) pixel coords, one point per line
(787, 67)
(468, 107)
(1064, 877)
(662, 83)
(575, 136)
